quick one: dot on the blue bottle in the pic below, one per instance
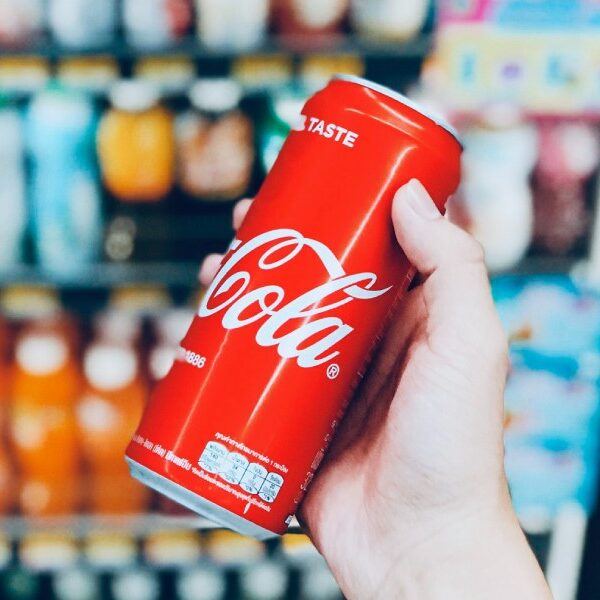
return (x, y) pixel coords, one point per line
(65, 199)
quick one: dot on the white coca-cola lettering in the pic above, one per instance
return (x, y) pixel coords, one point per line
(279, 247)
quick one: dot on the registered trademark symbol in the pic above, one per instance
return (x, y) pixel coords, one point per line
(333, 371)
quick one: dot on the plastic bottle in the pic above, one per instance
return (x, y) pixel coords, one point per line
(569, 154)
(389, 19)
(283, 115)
(107, 415)
(21, 21)
(64, 196)
(317, 583)
(135, 584)
(42, 420)
(136, 144)
(215, 142)
(12, 187)
(307, 18)
(265, 580)
(205, 582)
(231, 24)
(500, 153)
(152, 24)
(7, 481)
(169, 330)
(83, 23)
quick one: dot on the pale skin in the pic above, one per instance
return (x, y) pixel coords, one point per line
(412, 500)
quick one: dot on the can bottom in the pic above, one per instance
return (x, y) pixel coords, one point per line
(203, 507)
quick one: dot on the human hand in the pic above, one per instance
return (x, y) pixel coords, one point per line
(412, 500)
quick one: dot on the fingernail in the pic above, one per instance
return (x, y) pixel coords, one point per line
(417, 198)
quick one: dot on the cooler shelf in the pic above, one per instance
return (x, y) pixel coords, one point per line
(107, 275)
(415, 48)
(16, 527)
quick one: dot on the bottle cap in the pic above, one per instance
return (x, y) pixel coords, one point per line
(133, 95)
(215, 95)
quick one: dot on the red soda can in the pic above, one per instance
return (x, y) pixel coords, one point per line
(283, 335)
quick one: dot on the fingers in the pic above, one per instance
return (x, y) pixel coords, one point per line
(209, 268)
(457, 292)
(239, 212)
(211, 263)
(429, 240)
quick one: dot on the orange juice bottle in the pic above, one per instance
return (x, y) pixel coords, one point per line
(47, 496)
(42, 423)
(107, 414)
(6, 479)
(4, 374)
(136, 144)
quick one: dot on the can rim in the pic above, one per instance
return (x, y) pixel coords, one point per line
(386, 91)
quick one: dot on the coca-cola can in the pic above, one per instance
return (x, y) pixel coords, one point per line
(284, 333)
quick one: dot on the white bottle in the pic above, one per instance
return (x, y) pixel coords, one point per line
(12, 189)
(83, 23)
(230, 24)
(499, 156)
(392, 20)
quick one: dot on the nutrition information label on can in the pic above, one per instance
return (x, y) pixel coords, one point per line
(236, 469)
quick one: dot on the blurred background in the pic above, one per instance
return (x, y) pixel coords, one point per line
(129, 128)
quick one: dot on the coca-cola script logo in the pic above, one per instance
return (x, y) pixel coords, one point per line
(274, 310)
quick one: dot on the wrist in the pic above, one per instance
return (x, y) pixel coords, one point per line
(463, 554)
(483, 555)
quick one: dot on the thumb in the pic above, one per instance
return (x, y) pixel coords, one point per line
(456, 292)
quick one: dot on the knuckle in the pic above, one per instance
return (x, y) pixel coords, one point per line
(470, 249)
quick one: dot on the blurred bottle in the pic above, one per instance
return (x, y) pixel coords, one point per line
(500, 153)
(230, 549)
(42, 419)
(169, 330)
(41, 550)
(65, 197)
(317, 583)
(21, 21)
(135, 584)
(569, 154)
(6, 554)
(7, 480)
(172, 548)
(18, 583)
(110, 550)
(171, 75)
(305, 19)
(215, 142)
(156, 23)
(205, 582)
(297, 550)
(7, 475)
(136, 144)
(4, 372)
(90, 74)
(389, 19)
(283, 115)
(232, 25)
(265, 580)
(316, 70)
(83, 23)
(30, 302)
(12, 187)
(107, 416)
(76, 584)
(262, 72)
(118, 326)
